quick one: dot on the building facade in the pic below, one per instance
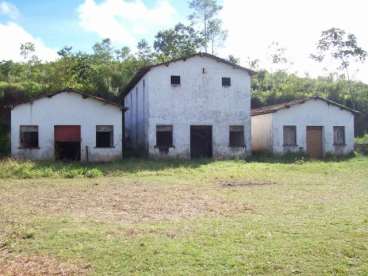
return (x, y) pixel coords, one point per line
(193, 107)
(67, 125)
(316, 126)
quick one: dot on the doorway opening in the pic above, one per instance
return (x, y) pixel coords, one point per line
(67, 143)
(201, 142)
(314, 141)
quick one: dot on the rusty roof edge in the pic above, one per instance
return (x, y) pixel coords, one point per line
(71, 90)
(274, 108)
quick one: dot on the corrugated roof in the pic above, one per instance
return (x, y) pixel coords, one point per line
(140, 74)
(277, 107)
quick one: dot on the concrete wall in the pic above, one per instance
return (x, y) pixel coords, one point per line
(136, 117)
(262, 133)
(313, 113)
(199, 100)
(66, 108)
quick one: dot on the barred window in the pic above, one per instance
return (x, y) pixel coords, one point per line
(339, 135)
(289, 135)
(237, 136)
(164, 137)
(226, 82)
(175, 80)
(29, 137)
(104, 136)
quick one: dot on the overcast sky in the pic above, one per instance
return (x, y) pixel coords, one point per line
(252, 26)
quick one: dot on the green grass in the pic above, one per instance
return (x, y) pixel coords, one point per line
(362, 139)
(187, 218)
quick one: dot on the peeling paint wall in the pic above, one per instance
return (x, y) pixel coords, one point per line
(66, 109)
(199, 100)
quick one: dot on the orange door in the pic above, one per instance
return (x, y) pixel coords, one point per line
(314, 142)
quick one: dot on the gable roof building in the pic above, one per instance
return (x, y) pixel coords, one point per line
(197, 106)
(313, 125)
(67, 125)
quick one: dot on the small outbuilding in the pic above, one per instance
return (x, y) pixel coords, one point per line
(315, 125)
(67, 125)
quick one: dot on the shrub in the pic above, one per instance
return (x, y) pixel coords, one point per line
(92, 173)
(4, 142)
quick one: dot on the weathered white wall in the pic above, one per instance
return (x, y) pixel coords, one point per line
(262, 132)
(199, 100)
(313, 113)
(66, 108)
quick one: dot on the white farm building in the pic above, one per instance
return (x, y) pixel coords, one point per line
(67, 125)
(194, 107)
(315, 125)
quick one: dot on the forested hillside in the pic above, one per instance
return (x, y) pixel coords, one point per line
(106, 70)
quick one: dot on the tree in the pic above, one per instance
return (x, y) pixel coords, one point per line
(177, 42)
(253, 63)
(204, 14)
(233, 59)
(277, 55)
(26, 50)
(343, 48)
(144, 52)
(340, 46)
(216, 34)
(66, 51)
(103, 50)
(123, 53)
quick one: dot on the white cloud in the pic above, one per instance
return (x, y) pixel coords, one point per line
(296, 25)
(12, 36)
(8, 9)
(123, 21)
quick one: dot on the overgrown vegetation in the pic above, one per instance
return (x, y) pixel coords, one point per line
(225, 217)
(362, 140)
(107, 70)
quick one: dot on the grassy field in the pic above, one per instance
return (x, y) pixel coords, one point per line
(184, 218)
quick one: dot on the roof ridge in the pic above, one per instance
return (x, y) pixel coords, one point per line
(69, 90)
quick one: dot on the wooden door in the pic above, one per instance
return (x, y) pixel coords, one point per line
(201, 141)
(314, 141)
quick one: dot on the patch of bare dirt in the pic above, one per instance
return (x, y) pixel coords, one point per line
(37, 265)
(229, 184)
(126, 203)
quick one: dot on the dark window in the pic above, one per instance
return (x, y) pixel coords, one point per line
(339, 135)
(104, 136)
(289, 135)
(175, 80)
(237, 136)
(226, 82)
(29, 137)
(164, 137)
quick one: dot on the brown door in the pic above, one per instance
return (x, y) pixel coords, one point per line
(314, 142)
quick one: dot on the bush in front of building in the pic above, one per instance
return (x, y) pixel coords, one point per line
(4, 142)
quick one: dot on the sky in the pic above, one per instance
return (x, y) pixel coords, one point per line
(252, 26)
